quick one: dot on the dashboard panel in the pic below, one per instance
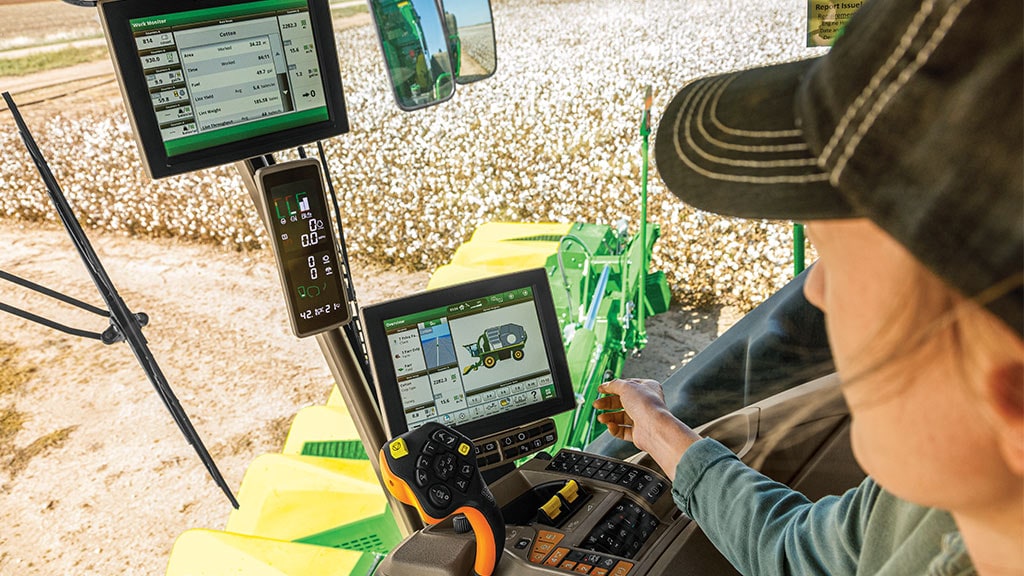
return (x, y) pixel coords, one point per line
(622, 520)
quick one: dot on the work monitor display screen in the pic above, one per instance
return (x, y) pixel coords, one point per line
(482, 357)
(215, 81)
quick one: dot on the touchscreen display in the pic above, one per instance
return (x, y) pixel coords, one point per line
(470, 360)
(224, 74)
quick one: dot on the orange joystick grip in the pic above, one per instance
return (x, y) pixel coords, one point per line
(433, 469)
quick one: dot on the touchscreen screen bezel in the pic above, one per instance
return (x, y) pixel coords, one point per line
(375, 316)
(116, 15)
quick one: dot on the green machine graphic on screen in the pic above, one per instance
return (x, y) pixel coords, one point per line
(497, 343)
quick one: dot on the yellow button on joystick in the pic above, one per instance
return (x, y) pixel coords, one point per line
(398, 448)
(464, 449)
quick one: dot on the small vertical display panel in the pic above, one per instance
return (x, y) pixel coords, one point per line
(303, 241)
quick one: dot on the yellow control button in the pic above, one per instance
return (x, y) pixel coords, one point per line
(398, 448)
(552, 507)
(464, 449)
(570, 491)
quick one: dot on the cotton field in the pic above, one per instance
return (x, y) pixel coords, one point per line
(552, 136)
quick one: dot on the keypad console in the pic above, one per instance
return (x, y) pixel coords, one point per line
(635, 479)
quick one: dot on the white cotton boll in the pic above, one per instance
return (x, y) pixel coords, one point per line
(546, 137)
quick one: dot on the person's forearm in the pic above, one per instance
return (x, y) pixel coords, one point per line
(668, 446)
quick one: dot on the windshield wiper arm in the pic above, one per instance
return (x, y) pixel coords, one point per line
(122, 319)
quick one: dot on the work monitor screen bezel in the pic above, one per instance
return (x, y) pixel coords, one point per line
(494, 292)
(261, 137)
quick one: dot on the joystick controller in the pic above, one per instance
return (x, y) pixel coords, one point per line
(434, 469)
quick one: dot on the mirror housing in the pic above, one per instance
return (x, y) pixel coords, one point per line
(426, 53)
(414, 42)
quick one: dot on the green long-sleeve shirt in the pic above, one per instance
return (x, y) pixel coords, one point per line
(765, 528)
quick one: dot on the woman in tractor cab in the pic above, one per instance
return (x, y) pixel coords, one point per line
(902, 148)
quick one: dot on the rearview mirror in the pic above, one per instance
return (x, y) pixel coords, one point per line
(416, 51)
(470, 38)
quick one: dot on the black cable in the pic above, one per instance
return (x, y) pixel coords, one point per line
(53, 294)
(82, 3)
(49, 323)
(354, 329)
(337, 216)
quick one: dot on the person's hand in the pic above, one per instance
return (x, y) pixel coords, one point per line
(635, 406)
(638, 414)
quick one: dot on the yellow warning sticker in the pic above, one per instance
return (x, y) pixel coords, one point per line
(826, 19)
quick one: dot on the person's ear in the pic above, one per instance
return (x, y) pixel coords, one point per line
(1005, 395)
